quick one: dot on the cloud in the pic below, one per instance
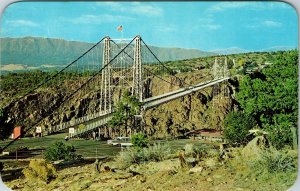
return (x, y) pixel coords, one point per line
(147, 10)
(134, 8)
(164, 28)
(211, 26)
(113, 5)
(223, 6)
(207, 23)
(99, 19)
(227, 5)
(21, 23)
(269, 23)
(265, 23)
(251, 26)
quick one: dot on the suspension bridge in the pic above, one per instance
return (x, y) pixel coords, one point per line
(114, 65)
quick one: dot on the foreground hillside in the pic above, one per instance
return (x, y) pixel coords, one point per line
(237, 169)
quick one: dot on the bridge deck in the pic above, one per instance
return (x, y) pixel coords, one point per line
(154, 101)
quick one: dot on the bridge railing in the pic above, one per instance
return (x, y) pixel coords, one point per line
(77, 121)
(91, 126)
(149, 103)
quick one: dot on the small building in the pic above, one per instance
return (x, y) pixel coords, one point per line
(18, 131)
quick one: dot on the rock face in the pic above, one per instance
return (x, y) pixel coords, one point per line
(203, 109)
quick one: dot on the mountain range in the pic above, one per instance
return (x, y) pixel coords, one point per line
(237, 50)
(36, 52)
(231, 50)
(46, 53)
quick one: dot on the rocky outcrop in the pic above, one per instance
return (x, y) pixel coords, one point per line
(195, 111)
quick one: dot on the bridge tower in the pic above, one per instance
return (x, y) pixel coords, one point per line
(106, 93)
(137, 70)
(220, 70)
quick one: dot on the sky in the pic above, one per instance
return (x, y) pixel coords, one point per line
(205, 26)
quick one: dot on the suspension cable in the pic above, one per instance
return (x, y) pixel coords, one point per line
(56, 74)
(146, 68)
(59, 104)
(170, 71)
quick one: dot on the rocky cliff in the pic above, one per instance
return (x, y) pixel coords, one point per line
(203, 109)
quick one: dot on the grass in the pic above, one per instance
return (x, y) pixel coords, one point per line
(233, 173)
(178, 144)
(86, 148)
(89, 148)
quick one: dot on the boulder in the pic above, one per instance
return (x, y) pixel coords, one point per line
(196, 169)
(255, 147)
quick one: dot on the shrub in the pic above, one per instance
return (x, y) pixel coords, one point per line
(60, 151)
(189, 149)
(237, 126)
(156, 152)
(128, 157)
(195, 151)
(273, 161)
(279, 137)
(136, 155)
(139, 140)
(41, 170)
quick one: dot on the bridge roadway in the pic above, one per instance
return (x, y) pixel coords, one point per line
(76, 122)
(158, 100)
(99, 119)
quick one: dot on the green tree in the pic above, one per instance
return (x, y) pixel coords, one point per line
(237, 126)
(271, 97)
(60, 151)
(241, 63)
(139, 140)
(125, 110)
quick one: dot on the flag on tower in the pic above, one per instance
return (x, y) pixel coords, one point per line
(120, 28)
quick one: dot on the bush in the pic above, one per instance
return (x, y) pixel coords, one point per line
(41, 170)
(139, 140)
(237, 126)
(273, 161)
(279, 137)
(156, 152)
(136, 155)
(60, 151)
(195, 151)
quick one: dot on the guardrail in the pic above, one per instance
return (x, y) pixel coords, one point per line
(75, 122)
(91, 126)
(149, 103)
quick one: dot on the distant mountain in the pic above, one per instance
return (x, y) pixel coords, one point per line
(231, 50)
(277, 48)
(237, 50)
(35, 52)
